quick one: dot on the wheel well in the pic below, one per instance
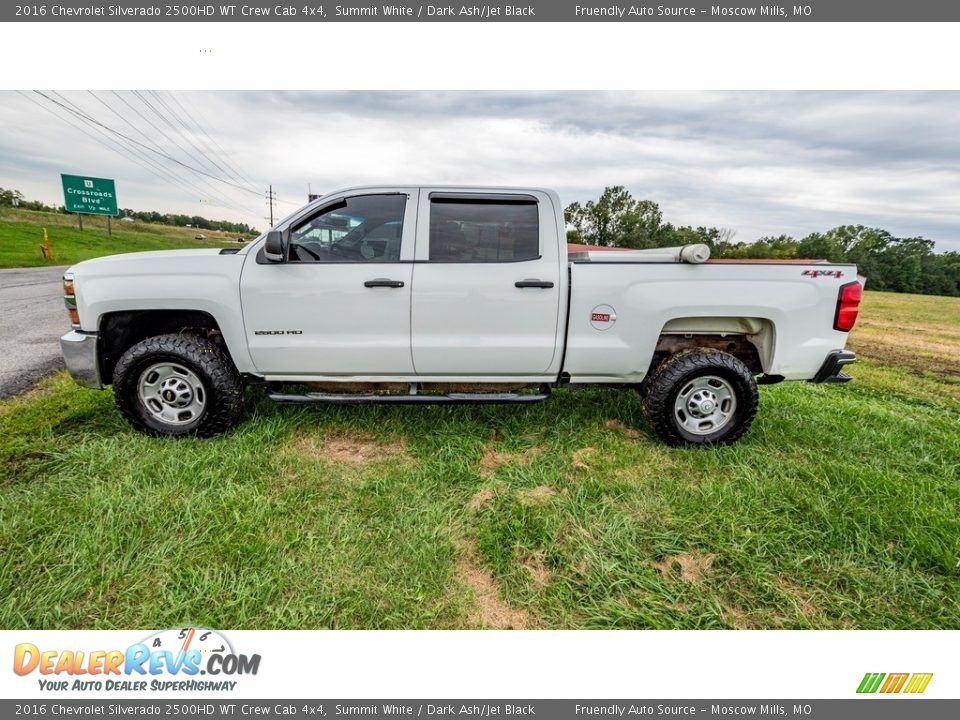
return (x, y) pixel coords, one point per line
(119, 331)
(749, 339)
(739, 346)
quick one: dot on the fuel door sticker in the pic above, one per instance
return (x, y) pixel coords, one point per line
(602, 317)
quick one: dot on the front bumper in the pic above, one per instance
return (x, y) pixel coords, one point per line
(80, 355)
(831, 370)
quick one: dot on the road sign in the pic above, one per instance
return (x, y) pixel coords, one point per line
(96, 196)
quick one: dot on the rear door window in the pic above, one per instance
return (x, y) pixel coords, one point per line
(465, 230)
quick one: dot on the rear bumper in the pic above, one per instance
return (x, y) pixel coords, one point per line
(80, 355)
(832, 369)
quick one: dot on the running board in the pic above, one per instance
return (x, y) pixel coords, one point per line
(411, 398)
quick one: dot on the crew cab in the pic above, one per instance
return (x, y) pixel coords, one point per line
(450, 295)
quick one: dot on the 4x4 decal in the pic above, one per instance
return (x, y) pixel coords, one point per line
(822, 273)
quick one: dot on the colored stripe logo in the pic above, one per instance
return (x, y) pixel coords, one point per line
(894, 683)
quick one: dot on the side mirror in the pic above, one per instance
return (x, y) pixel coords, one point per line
(275, 248)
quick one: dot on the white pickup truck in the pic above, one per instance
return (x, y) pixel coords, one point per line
(450, 295)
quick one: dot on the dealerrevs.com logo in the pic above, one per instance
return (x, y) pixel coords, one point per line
(169, 660)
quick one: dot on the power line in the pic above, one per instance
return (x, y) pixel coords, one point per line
(213, 164)
(180, 147)
(132, 144)
(225, 168)
(109, 144)
(150, 149)
(151, 124)
(113, 144)
(221, 199)
(167, 120)
(222, 153)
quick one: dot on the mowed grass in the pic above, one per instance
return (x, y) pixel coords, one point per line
(840, 509)
(920, 332)
(21, 234)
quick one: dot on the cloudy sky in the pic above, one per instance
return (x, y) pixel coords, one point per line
(761, 163)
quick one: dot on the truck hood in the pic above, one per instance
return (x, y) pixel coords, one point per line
(121, 263)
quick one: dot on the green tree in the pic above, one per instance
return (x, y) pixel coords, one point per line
(899, 264)
(9, 198)
(617, 219)
(821, 246)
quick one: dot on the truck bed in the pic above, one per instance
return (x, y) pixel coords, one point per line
(785, 308)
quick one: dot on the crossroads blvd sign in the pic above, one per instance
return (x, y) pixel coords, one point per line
(96, 196)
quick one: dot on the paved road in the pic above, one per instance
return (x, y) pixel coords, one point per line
(32, 319)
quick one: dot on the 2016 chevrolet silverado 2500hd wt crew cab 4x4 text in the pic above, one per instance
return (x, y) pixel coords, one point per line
(449, 294)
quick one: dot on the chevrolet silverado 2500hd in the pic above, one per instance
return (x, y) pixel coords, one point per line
(449, 295)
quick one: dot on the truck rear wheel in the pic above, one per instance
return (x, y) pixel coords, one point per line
(178, 384)
(701, 397)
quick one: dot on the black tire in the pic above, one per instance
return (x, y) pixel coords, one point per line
(221, 387)
(708, 378)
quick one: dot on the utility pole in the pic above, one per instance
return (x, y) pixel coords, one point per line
(271, 197)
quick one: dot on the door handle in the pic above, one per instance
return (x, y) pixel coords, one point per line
(533, 283)
(383, 282)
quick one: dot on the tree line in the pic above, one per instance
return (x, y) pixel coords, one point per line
(14, 198)
(151, 216)
(897, 264)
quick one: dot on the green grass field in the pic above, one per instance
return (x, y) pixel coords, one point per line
(21, 233)
(921, 332)
(840, 509)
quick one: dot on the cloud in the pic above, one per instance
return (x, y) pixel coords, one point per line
(762, 163)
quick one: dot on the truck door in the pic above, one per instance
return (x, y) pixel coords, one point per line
(487, 284)
(340, 304)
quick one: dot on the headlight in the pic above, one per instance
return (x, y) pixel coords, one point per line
(70, 299)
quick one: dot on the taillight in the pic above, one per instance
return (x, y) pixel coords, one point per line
(848, 306)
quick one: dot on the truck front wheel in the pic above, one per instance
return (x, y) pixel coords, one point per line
(178, 384)
(701, 397)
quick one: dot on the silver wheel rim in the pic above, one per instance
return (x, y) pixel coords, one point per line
(704, 405)
(172, 393)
